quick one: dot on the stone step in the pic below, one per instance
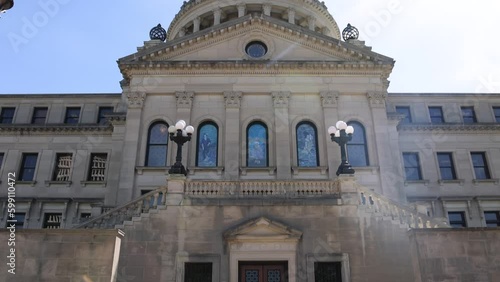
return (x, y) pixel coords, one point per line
(128, 223)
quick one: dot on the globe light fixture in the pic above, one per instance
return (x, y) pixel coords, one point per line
(180, 134)
(341, 133)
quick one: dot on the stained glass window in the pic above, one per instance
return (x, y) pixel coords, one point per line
(157, 144)
(257, 148)
(206, 155)
(307, 144)
(357, 150)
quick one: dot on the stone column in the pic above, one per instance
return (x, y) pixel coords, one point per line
(266, 9)
(329, 101)
(196, 24)
(391, 181)
(115, 160)
(184, 104)
(129, 158)
(291, 15)
(241, 10)
(282, 134)
(217, 16)
(326, 31)
(311, 21)
(232, 147)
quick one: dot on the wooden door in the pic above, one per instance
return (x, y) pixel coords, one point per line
(263, 272)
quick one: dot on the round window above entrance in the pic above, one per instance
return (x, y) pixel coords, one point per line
(256, 49)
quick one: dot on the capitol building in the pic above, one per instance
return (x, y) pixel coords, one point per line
(223, 159)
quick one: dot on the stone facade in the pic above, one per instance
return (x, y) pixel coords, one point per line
(92, 160)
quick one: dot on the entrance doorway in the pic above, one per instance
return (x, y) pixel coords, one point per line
(263, 271)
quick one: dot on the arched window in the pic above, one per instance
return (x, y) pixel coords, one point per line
(357, 151)
(156, 154)
(207, 145)
(307, 144)
(257, 147)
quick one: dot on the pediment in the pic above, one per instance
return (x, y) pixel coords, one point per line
(226, 42)
(262, 229)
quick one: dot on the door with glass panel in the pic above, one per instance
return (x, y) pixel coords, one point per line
(263, 272)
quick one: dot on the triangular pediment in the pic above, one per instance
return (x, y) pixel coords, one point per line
(226, 42)
(262, 229)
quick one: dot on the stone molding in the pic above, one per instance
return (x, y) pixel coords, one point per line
(184, 99)
(233, 99)
(281, 99)
(329, 99)
(456, 127)
(56, 129)
(377, 99)
(136, 99)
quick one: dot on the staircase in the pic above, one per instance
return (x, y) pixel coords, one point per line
(370, 203)
(378, 206)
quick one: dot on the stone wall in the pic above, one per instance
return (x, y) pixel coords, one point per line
(58, 255)
(377, 248)
(456, 254)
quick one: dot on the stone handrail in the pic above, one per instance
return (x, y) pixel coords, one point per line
(250, 189)
(397, 211)
(118, 215)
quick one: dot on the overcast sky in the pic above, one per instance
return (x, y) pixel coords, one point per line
(70, 46)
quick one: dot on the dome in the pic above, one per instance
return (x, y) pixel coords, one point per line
(196, 15)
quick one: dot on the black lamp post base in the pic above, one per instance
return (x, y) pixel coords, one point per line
(345, 169)
(176, 169)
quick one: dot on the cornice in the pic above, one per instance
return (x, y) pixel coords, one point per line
(56, 129)
(486, 128)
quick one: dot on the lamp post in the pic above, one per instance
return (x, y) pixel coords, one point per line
(5, 5)
(180, 134)
(341, 134)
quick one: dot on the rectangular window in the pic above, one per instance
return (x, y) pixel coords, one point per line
(63, 166)
(468, 114)
(97, 170)
(446, 166)
(496, 112)
(436, 114)
(198, 272)
(85, 215)
(7, 115)
(492, 218)
(19, 218)
(39, 115)
(480, 165)
(412, 166)
(52, 221)
(28, 165)
(457, 219)
(404, 111)
(101, 119)
(327, 272)
(1, 159)
(72, 115)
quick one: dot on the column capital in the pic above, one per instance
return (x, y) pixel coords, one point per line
(281, 99)
(184, 99)
(329, 99)
(232, 98)
(377, 99)
(135, 100)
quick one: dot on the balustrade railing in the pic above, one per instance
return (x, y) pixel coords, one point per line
(397, 211)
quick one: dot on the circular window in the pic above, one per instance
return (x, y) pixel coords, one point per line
(256, 49)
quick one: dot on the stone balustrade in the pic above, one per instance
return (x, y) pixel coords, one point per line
(404, 214)
(248, 189)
